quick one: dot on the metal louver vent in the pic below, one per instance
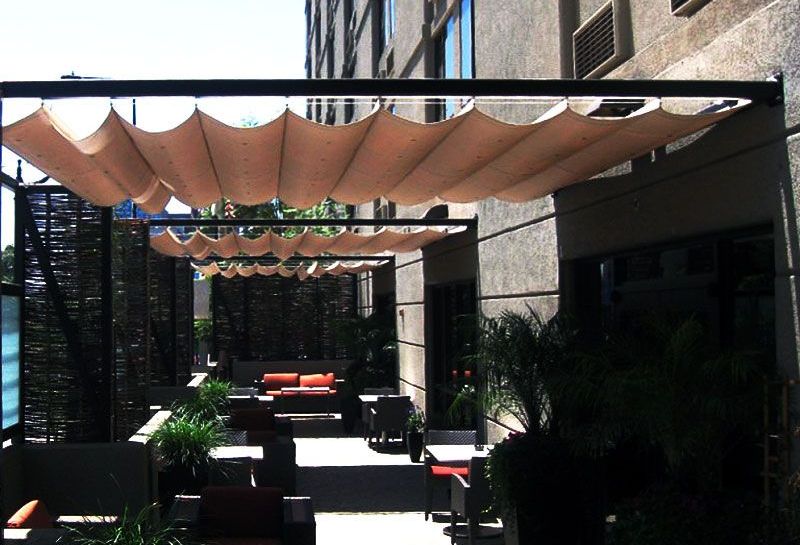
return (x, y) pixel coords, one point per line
(686, 7)
(598, 44)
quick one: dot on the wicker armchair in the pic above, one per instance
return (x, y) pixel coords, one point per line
(439, 475)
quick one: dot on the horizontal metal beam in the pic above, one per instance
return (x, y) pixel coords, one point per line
(754, 90)
(275, 260)
(309, 222)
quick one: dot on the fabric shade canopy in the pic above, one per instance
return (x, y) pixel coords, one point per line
(308, 243)
(315, 270)
(465, 158)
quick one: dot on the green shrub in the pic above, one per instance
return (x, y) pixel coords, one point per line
(185, 443)
(139, 529)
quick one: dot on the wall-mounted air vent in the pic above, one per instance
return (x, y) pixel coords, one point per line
(686, 7)
(603, 41)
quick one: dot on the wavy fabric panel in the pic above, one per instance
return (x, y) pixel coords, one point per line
(466, 158)
(315, 270)
(200, 246)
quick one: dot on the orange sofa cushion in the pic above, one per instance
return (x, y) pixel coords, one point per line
(31, 515)
(328, 379)
(276, 381)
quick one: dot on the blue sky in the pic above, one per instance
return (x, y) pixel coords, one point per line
(149, 39)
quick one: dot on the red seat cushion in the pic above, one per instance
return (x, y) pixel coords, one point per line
(31, 515)
(328, 379)
(252, 419)
(276, 381)
(241, 511)
(446, 471)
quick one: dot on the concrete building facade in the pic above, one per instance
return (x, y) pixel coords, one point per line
(708, 225)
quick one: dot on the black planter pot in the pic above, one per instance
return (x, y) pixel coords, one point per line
(414, 444)
(351, 409)
(175, 481)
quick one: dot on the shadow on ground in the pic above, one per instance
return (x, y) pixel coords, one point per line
(361, 489)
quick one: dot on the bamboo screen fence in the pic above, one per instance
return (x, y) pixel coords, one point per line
(65, 398)
(274, 318)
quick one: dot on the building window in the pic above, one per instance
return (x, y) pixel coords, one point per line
(317, 39)
(11, 352)
(388, 22)
(466, 36)
(445, 53)
(445, 58)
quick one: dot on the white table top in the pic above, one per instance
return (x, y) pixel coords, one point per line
(373, 398)
(260, 398)
(223, 453)
(306, 389)
(456, 453)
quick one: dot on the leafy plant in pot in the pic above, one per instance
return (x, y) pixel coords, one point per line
(415, 427)
(518, 353)
(183, 448)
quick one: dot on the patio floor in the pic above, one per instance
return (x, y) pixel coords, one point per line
(362, 496)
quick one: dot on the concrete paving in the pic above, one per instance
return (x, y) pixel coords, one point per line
(364, 496)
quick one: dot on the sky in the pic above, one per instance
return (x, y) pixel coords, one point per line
(149, 39)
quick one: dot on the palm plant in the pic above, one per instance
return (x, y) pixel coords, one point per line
(371, 341)
(519, 353)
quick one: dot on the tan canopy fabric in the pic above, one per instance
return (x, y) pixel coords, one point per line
(315, 270)
(466, 158)
(199, 246)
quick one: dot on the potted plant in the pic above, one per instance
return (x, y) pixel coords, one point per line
(415, 426)
(128, 529)
(518, 353)
(183, 447)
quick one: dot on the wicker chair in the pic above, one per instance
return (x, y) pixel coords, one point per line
(468, 498)
(365, 407)
(439, 475)
(388, 417)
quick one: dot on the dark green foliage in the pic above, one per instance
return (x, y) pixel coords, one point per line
(372, 343)
(519, 353)
(138, 529)
(666, 515)
(665, 387)
(185, 443)
(7, 264)
(202, 329)
(416, 420)
(209, 404)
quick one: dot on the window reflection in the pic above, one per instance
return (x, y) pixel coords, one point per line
(7, 234)
(11, 350)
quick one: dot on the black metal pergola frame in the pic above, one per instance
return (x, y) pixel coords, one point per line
(759, 92)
